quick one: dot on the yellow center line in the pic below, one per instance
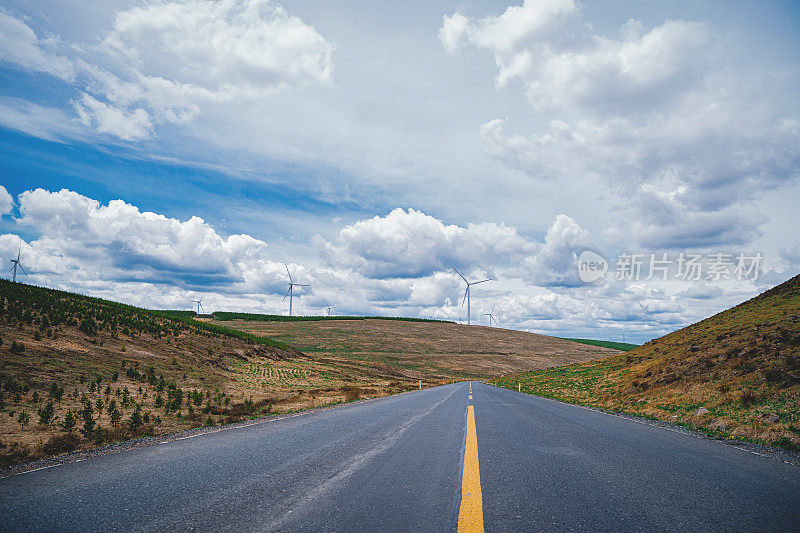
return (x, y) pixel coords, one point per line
(470, 513)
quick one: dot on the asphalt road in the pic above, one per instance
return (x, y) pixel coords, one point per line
(396, 464)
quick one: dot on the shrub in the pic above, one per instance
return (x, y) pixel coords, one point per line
(747, 397)
(351, 393)
(88, 326)
(63, 443)
(209, 421)
(13, 453)
(17, 347)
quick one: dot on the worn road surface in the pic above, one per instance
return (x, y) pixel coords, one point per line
(422, 461)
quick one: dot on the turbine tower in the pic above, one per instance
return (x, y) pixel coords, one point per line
(292, 285)
(491, 316)
(328, 307)
(199, 304)
(17, 264)
(466, 292)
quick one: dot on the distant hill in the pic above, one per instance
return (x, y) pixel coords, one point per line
(422, 347)
(736, 373)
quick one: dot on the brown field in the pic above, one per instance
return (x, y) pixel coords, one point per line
(430, 351)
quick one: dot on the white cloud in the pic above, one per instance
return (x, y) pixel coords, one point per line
(162, 61)
(229, 47)
(554, 262)
(20, 45)
(682, 137)
(105, 118)
(411, 243)
(6, 201)
(117, 241)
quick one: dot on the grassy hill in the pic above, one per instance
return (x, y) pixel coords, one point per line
(77, 372)
(735, 374)
(422, 349)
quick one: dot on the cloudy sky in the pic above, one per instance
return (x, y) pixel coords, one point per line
(152, 152)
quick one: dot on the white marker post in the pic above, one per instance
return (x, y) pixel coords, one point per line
(519, 387)
(420, 384)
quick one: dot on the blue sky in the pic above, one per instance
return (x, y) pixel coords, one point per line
(373, 146)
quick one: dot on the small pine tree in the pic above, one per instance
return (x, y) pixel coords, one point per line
(115, 416)
(98, 435)
(23, 419)
(69, 421)
(56, 392)
(88, 422)
(46, 413)
(136, 418)
(35, 397)
(99, 405)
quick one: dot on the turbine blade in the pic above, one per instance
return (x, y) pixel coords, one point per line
(287, 293)
(288, 273)
(23, 270)
(462, 277)
(465, 296)
(301, 284)
(481, 281)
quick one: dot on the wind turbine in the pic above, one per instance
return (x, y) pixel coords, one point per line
(199, 304)
(17, 264)
(466, 292)
(292, 285)
(328, 307)
(491, 316)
